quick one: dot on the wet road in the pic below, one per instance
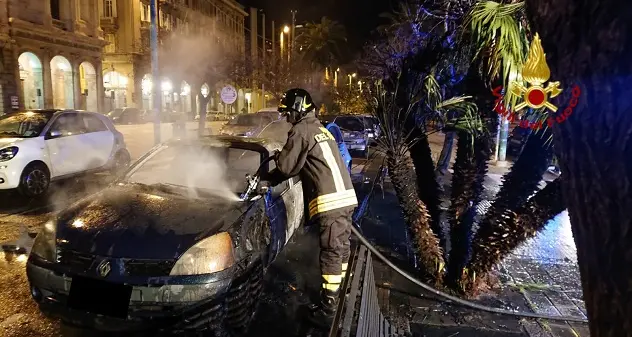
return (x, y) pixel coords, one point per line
(19, 315)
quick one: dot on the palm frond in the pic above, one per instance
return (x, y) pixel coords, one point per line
(500, 40)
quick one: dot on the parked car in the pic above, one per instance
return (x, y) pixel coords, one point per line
(127, 116)
(40, 146)
(213, 116)
(247, 125)
(342, 147)
(170, 251)
(354, 133)
(372, 128)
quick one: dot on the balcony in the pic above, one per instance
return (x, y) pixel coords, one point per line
(109, 24)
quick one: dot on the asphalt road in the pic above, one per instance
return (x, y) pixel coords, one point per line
(19, 316)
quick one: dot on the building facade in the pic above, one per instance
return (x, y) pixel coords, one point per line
(126, 64)
(51, 54)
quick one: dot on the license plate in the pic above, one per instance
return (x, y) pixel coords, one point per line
(99, 297)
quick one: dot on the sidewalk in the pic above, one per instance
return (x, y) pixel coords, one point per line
(530, 280)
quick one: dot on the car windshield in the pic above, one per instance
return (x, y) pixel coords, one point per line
(251, 120)
(350, 123)
(115, 113)
(198, 170)
(23, 124)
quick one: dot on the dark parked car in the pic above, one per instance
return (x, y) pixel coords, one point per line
(177, 252)
(127, 116)
(249, 125)
(354, 133)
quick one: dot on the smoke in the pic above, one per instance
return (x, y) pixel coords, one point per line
(201, 58)
(220, 172)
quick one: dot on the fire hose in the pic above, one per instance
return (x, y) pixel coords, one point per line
(446, 297)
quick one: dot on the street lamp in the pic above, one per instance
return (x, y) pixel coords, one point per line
(286, 29)
(351, 76)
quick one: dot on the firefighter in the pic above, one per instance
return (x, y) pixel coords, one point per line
(312, 152)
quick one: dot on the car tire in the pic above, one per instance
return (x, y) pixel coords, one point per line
(120, 162)
(365, 153)
(34, 181)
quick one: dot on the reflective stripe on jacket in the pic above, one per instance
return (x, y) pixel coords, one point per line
(312, 152)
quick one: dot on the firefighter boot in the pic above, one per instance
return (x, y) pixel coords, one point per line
(323, 316)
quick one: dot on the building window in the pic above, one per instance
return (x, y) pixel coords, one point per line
(144, 13)
(54, 9)
(111, 47)
(109, 9)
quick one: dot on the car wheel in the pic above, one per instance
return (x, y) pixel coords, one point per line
(365, 153)
(34, 180)
(243, 299)
(121, 162)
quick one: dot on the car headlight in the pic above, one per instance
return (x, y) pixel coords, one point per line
(44, 245)
(208, 256)
(8, 153)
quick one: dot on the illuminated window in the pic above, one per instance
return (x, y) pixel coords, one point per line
(111, 47)
(109, 9)
(144, 13)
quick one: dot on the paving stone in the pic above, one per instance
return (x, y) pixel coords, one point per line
(534, 329)
(561, 330)
(581, 329)
(540, 303)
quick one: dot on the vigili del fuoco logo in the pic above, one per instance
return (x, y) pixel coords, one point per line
(536, 95)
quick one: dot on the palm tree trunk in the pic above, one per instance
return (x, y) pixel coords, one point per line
(520, 183)
(593, 146)
(470, 176)
(446, 152)
(430, 256)
(462, 179)
(427, 186)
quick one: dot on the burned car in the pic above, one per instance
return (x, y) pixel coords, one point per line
(181, 242)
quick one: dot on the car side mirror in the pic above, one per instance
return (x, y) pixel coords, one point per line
(53, 134)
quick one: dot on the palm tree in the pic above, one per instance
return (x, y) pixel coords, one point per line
(593, 147)
(410, 165)
(320, 41)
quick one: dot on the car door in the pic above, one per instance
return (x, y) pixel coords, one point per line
(98, 141)
(285, 210)
(64, 144)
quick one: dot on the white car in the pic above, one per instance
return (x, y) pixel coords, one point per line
(40, 146)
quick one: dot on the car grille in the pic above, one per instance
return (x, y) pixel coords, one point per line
(133, 267)
(148, 267)
(74, 260)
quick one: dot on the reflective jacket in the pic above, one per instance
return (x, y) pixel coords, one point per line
(312, 152)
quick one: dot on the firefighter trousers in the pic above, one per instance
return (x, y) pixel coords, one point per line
(335, 247)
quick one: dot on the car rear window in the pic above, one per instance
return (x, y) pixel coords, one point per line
(350, 123)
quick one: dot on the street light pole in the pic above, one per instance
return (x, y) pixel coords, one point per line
(155, 76)
(293, 37)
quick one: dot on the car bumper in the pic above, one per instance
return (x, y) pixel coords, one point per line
(356, 146)
(166, 306)
(10, 172)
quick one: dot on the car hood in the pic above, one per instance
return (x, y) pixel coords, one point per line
(4, 142)
(237, 130)
(138, 221)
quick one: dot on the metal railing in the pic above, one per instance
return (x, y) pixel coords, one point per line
(358, 313)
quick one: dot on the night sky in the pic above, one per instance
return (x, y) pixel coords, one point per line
(360, 17)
